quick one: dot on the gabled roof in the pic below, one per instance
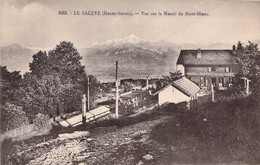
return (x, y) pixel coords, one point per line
(161, 90)
(184, 85)
(208, 57)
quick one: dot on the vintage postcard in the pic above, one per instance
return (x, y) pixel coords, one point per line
(130, 82)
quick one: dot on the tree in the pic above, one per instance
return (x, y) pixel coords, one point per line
(94, 88)
(249, 59)
(56, 82)
(59, 77)
(65, 60)
(12, 116)
(10, 81)
(172, 77)
(40, 64)
(127, 86)
(45, 95)
(166, 80)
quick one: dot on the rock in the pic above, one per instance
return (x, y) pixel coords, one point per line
(148, 157)
(80, 158)
(173, 148)
(76, 134)
(140, 163)
(89, 139)
(81, 164)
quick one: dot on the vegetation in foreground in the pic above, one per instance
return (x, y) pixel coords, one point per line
(222, 132)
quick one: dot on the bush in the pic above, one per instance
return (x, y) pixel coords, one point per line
(8, 148)
(41, 122)
(12, 117)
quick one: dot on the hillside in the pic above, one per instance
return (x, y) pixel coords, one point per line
(225, 132)
(137, 58)
(16, 57)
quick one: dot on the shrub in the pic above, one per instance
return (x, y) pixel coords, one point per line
(41, 122)
(12, 117)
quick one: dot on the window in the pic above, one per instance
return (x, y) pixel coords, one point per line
(214, 68)
(230, 80)
(227, 69)
(221, 82)
(214, 81)
(203, 81)
(225, 84)
(206, 81)
(209, 69)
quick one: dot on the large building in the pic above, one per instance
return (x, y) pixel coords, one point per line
(206, 67)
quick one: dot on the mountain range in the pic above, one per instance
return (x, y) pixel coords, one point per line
(137, 58)
(16, 57)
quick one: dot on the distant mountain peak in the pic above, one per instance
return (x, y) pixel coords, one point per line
(16, 57)
(15, 45)
(129, 39)
(132, 38)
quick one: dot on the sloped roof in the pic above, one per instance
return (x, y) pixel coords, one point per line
(186, 86)
(208, 57)
(153, 94)
(130, 95)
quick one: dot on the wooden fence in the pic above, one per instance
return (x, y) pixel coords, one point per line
(17, 132)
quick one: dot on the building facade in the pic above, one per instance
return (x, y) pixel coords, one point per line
(206, 67)
(181, 90)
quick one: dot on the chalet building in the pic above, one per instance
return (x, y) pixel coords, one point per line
(181, 90)
(206, 67)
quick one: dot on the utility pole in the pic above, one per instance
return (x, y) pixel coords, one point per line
(116, 108)
(84, 109)
(212, 93)
(88, 96)
(247, 86)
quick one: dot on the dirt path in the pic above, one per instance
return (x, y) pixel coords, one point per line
(107, 145)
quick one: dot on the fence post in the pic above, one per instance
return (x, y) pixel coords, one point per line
(212, 93)
(84, 109)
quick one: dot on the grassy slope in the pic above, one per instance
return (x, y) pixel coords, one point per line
(223, 132)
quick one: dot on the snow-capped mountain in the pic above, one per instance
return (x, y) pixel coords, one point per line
(137, 58)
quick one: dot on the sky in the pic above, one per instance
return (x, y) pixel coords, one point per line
(37, 24)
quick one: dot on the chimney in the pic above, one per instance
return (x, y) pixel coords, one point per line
(234, 50)
(199, 53)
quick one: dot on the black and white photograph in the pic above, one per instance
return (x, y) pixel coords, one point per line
(130, 82)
